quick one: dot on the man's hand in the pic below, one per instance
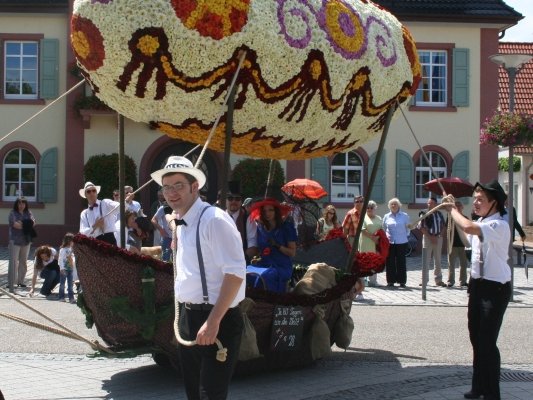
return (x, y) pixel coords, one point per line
(207, 333)
(98, 224)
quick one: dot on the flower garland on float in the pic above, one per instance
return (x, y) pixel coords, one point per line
(317, 79)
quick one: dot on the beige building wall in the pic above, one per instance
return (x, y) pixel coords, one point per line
(47, 130)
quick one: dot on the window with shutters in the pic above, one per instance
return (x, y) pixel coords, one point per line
(29, 68)
(423, 173)
(445, 81)
(346, 177)
(19, 175)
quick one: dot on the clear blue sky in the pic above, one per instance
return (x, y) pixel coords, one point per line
(523, 32)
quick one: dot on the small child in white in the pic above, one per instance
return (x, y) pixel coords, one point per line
(67, 264)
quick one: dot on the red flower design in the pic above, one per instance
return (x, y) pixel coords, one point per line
(87, 43)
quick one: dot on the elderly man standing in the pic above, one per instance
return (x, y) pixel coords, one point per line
(432, 228)
(209, 284)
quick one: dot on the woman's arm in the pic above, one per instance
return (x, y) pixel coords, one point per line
(33, 280)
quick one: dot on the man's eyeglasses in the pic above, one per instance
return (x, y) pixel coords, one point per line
(234, 198)
(90, 191)
(331, 212)
(358, 201)
(176, 187)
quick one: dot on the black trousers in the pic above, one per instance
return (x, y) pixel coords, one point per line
(486, 306)
(204, 376)
(396, 271)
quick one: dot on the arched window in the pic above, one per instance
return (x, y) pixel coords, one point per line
(20, 175)
(423, 173)
(346, 177)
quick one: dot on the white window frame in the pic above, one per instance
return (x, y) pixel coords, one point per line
(21, 69)
(430, 73)
(14, 192)
(423, 174)
(346, 191)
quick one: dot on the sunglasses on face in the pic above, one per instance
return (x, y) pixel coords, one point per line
(234, 198)
(90, 191)
(358, 201)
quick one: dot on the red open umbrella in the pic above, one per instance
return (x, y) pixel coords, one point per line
(301, 189)
(452, 185)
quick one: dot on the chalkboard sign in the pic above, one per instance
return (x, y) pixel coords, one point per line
(287, 328)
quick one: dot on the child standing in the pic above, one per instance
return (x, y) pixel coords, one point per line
(66, 266)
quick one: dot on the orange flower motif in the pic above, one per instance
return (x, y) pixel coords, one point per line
(88, 43)
(216, 19)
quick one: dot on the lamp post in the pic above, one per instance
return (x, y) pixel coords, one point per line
(512, 63)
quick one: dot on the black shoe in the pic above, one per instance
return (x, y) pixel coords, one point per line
(402, 285)
(449, 284)
(442, 284)
(472, 395)
(22, 285)
(464, 284)
(390, 284)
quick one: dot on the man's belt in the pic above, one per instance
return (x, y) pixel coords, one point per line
(198, 307)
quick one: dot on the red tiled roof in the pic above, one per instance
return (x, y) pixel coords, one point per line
(523, 96)
(522, 150)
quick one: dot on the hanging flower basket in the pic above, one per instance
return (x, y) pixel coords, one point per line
(507, 129)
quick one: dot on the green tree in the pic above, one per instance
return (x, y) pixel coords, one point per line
(503, 164)
(253, 176)
(102, 169)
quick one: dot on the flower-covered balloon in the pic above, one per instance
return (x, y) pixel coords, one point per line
(318, 75)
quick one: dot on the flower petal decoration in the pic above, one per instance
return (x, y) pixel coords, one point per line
(318, 76)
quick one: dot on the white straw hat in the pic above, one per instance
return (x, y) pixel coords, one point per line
(87, 186)
(182, 165)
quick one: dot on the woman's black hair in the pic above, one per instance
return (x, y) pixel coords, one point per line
(21, 200)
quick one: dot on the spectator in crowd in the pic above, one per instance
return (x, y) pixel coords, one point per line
(368, 239)
(130, 204)
(432, 228)
(67, 265)
(45, 266)
(456, 251)
(327, 222)
(396, 226)
(162, 226)
(21, 222)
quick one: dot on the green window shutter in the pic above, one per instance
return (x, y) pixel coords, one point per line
(320, 171)
(404, 177)
(460, 77)
(461, 165)
(48, 176)
(378, 191)
(49, 69)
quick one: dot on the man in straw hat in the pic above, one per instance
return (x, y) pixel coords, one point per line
(98, 219)
(207, 308)
(490, 283)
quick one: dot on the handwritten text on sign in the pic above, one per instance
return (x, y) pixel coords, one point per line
(287, 328)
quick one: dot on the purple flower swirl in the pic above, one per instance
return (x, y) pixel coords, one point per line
(383, 42)
(302, 42)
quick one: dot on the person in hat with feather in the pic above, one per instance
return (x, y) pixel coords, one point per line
(209, 283)
(490, 283)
